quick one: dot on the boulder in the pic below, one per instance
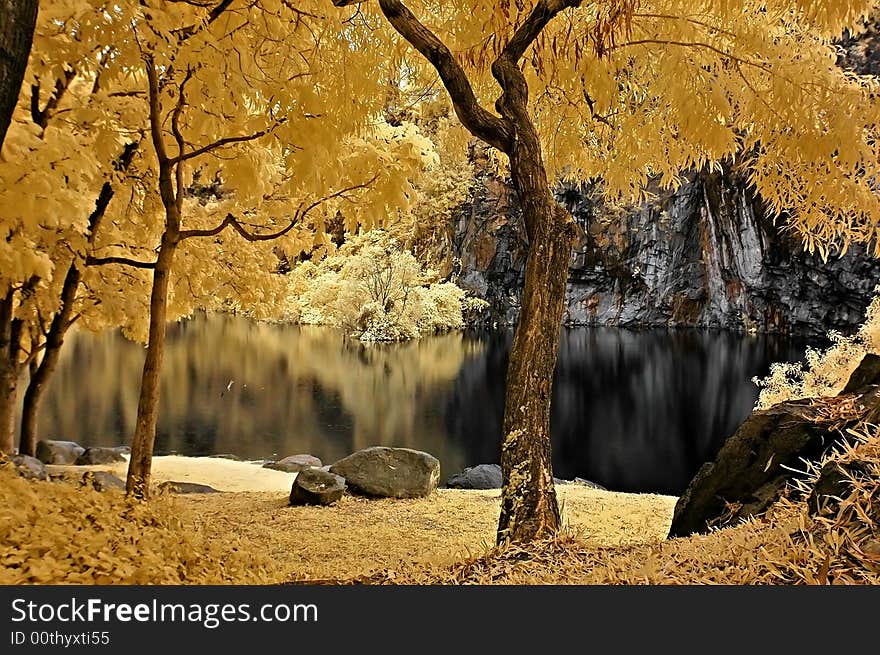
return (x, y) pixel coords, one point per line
(389, 472)
(29, 467)
(754, 466)
(315, 487)
(99, 455)
(588, 483)
(294, 463)
(102, 481)
(187, 488)
(834, 483)
(482, 476)
(58, 452)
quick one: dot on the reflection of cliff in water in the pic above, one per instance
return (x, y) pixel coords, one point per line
(292, 390)
(636, 411)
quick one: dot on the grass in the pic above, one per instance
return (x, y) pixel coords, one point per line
(63, 533)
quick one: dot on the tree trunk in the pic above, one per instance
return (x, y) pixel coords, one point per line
(528, 503)
(39, 380)
(16, 37)
(8, 396)
(8, 373)
(142, 442)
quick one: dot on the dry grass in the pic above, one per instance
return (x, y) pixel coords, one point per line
(358, 537)
(62, 533)
(785, 546)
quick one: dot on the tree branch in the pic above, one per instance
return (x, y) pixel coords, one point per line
(125, 261)
(298, 217)
(219, 143)
(481, 123)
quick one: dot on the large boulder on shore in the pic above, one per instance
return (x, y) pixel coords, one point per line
(316, 487)
(389, 472)
(754, 466)
(100, 455)
(294, 463)
(58, 452)
(481, 476)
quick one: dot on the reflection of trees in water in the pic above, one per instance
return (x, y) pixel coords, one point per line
(636, 411)
(293, 390)
(633, 410)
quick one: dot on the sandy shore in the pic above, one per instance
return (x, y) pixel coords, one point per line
(222, 474)
(357, 535)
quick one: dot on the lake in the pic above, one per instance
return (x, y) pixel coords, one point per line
(632, 410)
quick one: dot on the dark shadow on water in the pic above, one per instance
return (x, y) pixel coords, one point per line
(632, 410)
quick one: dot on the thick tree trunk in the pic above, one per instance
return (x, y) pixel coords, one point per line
(142, 442)
(39, 380)
(528, 503)
(16, 37)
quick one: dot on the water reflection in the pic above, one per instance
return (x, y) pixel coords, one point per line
(635, 411)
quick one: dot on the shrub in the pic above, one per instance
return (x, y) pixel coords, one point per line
(376, 291)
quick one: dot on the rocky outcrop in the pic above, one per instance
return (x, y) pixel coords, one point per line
(705, 255)
(754, 465)
(316, 487)
(389, 472)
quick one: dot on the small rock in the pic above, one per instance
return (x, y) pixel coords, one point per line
(316, 487)
(187, 488)
(234, 458)
(294, 463)
(58, 452)
(390, 472)
(482, 476)
(30, 468)
(102, 480)
(99, 455)
(588, 483)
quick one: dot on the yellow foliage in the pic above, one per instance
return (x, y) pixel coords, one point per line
(825, 372)
(376, 291)
(59, 533)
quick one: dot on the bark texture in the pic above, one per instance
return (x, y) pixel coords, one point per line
(529, 509)
(16, 36)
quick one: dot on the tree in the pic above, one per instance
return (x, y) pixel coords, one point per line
(191, 144)
(624, 90)
(16, 36)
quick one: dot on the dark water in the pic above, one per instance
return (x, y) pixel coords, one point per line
(634, 411)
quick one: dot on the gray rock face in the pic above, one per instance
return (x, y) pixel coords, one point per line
(29, 467)
(99, 455)
(707, 255)
(102, 481)
(390, 472)
(187, 488)
(58, 452)
(482, 476)
(294, 463)
(315, 487)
